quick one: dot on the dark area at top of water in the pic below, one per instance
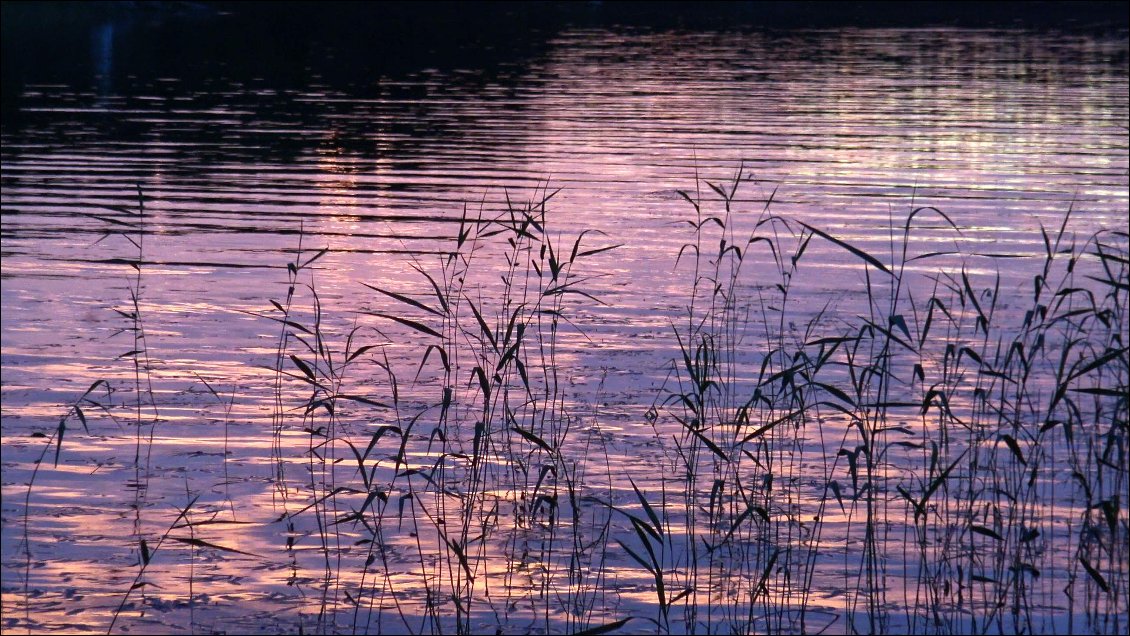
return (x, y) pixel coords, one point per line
(287, 44)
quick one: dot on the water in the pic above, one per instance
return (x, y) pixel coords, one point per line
(844, 129)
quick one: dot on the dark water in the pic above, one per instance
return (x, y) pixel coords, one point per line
(374, 151)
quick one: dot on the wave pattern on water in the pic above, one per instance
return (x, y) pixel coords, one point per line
(846, 130)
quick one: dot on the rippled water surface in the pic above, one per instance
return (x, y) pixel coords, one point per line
(845, 130)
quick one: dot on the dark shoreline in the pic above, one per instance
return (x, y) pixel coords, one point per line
(52, 42)
(548, 13)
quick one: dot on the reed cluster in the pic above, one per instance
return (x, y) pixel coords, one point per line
(933, 452)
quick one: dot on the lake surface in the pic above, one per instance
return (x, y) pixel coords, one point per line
(846, 130)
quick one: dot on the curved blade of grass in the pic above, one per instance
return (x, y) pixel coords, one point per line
(404, 299)
(302, 366)
(648, 509)
(483, 327)
(1013, 446)
(362, 399)
(1094, 574)
(709, 444)
(531, 437)
(439, 292)
(59, 439)
(315, 257)
(851, 248)
(636, 557)
(607, 628)
(422, 328)
(982, 530)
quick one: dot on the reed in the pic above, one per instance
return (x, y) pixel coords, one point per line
(488, 476)
(935, 451)
(946, 379)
